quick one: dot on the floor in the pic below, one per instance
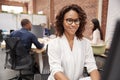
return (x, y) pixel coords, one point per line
(5, 74)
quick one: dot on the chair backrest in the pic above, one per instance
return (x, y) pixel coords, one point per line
(17, 55)
(1, 36)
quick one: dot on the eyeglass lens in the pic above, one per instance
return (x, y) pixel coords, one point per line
(70, 21)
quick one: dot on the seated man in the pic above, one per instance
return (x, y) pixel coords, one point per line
(26, 36)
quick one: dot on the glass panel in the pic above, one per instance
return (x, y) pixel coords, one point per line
(12, 9)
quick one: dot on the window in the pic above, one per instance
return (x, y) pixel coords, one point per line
(12, 9)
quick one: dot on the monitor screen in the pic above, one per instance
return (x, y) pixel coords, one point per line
(112, 64)
(37, 30)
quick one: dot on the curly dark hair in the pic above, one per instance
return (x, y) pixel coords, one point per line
(60, 18)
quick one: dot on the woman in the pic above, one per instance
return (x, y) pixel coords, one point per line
(97, 33)
(69, 53)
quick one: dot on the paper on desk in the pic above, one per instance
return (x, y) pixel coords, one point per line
(45, 45)
(33, 46)
(85, 78)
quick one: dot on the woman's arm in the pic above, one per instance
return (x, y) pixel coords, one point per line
(60, 76)
(54, 54)
(90, 63)
(95, 75)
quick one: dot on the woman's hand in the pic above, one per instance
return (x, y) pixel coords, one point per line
(60, 76)
(95, 75)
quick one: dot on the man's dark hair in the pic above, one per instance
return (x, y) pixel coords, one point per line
(24, 22)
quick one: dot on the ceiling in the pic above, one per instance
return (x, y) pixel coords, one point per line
(24, 1)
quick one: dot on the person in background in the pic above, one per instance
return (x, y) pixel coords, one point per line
(69, 52)
(97, 36)
(52, 29)
(88, 30)
(26, 36)
(46, 32)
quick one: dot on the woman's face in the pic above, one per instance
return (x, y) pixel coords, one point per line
(71, 22)
(91, 25)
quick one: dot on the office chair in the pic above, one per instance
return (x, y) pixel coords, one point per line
(1, 37)
(18, 58)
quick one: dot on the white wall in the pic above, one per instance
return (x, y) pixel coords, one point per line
(113, 15)
(7, 21)
(12, 21)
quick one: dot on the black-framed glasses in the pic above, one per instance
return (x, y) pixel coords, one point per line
(70, 21)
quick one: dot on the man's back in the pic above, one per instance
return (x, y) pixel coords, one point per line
(27, 38)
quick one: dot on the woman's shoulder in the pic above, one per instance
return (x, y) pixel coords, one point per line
(54, 41)
(86, 41)
(96, 31)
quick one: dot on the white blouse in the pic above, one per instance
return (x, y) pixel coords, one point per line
(96, 37)
(71, 63)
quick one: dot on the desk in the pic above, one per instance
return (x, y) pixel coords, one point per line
(41, 58)
(38, 56)
(38, 52)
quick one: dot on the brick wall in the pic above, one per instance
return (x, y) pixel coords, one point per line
(90, 6)
(43, 5)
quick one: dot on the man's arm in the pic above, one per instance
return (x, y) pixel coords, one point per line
(37, 43)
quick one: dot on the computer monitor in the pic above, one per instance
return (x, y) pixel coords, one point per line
(112, 64)
(37, 30)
